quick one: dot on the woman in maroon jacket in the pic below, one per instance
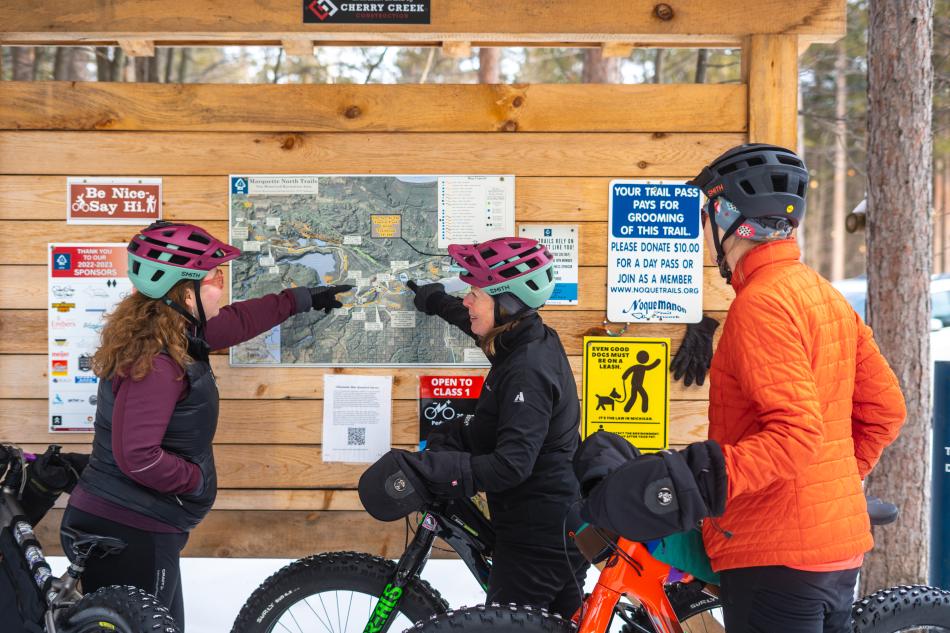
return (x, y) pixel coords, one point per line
(151, 476)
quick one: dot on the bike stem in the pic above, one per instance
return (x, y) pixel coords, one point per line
(408, 569)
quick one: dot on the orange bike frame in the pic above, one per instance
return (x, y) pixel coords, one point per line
(636, 575)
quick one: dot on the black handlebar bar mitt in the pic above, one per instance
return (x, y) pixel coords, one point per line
(599, 455)
(389, 490)
(647, 498)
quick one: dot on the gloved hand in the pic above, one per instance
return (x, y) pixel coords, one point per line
(446, 437)
(657, 495)
(447, 474)
(48, 477)
(598, 456)
(695, 354)
(427, 296)
(324, 297)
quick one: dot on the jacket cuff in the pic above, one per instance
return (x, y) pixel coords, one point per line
(302, 299)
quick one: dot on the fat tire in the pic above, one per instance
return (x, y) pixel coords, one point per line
(348, 571)
(127, 609)
(499, 618)
(902, 608)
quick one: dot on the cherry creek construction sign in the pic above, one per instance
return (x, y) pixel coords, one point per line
(113, 200)
(338, 12)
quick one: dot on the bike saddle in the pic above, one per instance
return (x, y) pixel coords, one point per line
(881, 512)
(84, 546)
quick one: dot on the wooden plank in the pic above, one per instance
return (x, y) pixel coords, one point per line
(57, 105)
(773, 89)
(25, 331)
(202, 198)
(241, 499)
(23, 287)
(298, 47)
(289, 423)
(457, 49)
(138, 48)
(616, 49)
(268, 534)
(639, 155)
(198, 21)
(24, 376)
(24, 242)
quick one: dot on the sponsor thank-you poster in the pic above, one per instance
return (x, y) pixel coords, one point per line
(85, 282)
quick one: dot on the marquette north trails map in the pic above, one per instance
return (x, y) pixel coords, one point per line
(373, 232)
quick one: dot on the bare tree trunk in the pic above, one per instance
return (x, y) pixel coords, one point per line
(801, 235)
(702, 60)
(39, 57)
(62, 63)
(489, 65)
(146, 69)
(899, 241)
(183, 64)
(103, 64)
(169, 64)
(658, 66)
(21, 61)
(118, 64)
(599, 69)
(838, 210)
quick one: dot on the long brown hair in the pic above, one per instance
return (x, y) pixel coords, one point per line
(487, 342)
(138, 330)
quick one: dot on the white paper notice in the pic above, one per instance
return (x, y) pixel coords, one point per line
(475, 208)
(357, 418)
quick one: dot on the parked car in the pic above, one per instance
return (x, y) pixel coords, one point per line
(855, 290)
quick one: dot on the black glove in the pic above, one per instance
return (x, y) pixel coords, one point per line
(48, 477)
(427, 296)
(447, 474)
(695, 354)
(661, 494)
(324, 297)
(446, 437)
(598, 456)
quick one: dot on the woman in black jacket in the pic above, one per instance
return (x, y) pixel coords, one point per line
(525, 430)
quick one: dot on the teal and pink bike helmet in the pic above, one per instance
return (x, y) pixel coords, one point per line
(165, 253)
(504, 266)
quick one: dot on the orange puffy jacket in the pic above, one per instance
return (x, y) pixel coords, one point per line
(803, 403)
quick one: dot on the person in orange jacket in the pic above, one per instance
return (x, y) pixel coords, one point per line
(801, 401)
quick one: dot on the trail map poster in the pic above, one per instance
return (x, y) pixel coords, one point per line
(373, 232)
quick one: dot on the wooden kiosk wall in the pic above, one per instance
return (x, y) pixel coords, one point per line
(563, 142)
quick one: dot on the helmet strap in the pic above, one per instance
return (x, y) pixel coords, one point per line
(718, 242)
(508, 307)
(182, 311)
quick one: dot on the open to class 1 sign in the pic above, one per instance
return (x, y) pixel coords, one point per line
(655, 253)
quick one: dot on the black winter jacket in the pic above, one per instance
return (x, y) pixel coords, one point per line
(524, 432)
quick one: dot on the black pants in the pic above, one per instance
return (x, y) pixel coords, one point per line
(537, 576)
(780, 599)
(150, 560)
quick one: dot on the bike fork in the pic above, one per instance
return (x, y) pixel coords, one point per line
(407, 570)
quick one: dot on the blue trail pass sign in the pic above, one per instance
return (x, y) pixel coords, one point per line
(654, 253)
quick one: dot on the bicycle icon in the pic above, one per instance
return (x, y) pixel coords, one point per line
(80, 204)
(436, 409)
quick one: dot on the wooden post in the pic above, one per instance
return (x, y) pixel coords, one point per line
(457, 50)
(298, 48)
(771, 62)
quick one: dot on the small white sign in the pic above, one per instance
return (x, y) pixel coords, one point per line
(475, 208)
(357, 417)
(561, 240)
(654, 253)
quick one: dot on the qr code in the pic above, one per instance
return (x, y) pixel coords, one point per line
(356, 436)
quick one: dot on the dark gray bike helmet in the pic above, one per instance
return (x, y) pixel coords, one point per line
(761, 181)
